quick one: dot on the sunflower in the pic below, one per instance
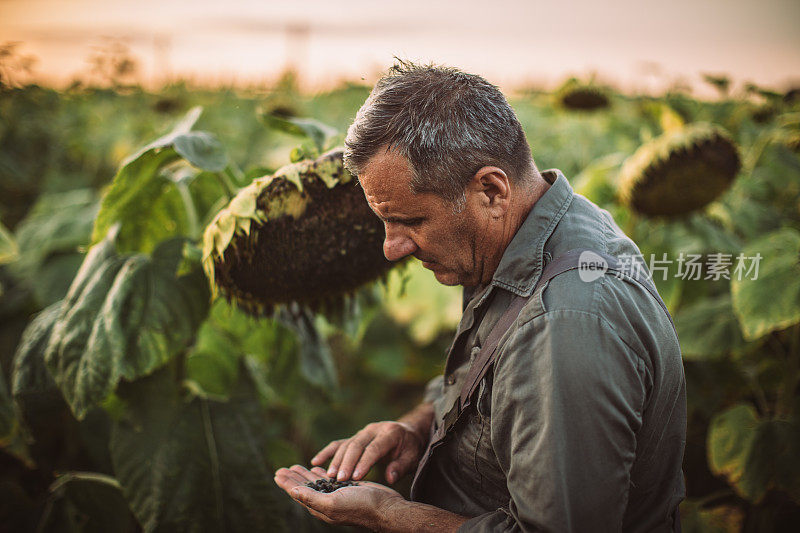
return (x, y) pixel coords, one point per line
(578, 96)
(304, 234)
(680, 171)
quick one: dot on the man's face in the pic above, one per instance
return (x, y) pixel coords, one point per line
(422, 225)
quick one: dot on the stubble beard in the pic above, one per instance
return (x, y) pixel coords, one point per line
(471, 274)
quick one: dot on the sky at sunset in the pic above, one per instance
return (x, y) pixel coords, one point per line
(640, 44)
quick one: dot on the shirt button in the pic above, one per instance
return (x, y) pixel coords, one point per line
(450, 380)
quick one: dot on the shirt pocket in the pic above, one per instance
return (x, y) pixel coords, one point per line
(472, 432)
(485, 462)
(469, 438)
(476, 459)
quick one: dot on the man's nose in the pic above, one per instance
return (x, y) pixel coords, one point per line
(396, 245)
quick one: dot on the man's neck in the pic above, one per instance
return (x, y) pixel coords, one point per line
(515, 217)
(528, 199)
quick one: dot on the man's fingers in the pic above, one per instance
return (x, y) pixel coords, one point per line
(290, 475)
(355, 450)
(294, 477)
(326, 453)
(315, 501)
(288, 479)
(304, 495)
(307, 476)
(347, 453)
(352, 446)
(319, 471)
(333, 468)
(405, 461)
(293, 480)
(376, 449)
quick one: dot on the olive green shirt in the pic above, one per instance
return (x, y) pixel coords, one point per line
(581, 424)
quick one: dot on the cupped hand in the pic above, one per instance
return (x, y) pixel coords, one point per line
(354, 457)
(366, 504)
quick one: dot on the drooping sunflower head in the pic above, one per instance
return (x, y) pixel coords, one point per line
(680, 171)
(305, 234)
(577, 96)
(764, 113)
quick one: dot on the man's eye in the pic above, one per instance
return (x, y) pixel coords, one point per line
(407, 222)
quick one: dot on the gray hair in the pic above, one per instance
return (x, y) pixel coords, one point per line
(448, 124)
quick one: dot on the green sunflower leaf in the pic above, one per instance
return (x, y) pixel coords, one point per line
(124, 317)
(147, 204)
(212, 473)
(769, 300)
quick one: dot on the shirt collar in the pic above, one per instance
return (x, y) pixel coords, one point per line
(522, 262)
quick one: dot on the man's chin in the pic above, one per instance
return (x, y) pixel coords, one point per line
(445, 277)
(442, 275)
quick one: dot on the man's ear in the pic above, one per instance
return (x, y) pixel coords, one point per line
(491, 188)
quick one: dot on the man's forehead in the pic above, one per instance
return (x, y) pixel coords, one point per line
(387, 173)
(388, 159)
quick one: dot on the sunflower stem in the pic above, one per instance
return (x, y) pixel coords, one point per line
(227, 184)
(235, 175)
(758, 392)
(191, 210)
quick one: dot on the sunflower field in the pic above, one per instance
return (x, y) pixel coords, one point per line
(164, 349)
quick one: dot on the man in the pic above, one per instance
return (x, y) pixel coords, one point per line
(579, 422)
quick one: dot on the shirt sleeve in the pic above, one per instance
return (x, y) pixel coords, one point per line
(567, 401)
